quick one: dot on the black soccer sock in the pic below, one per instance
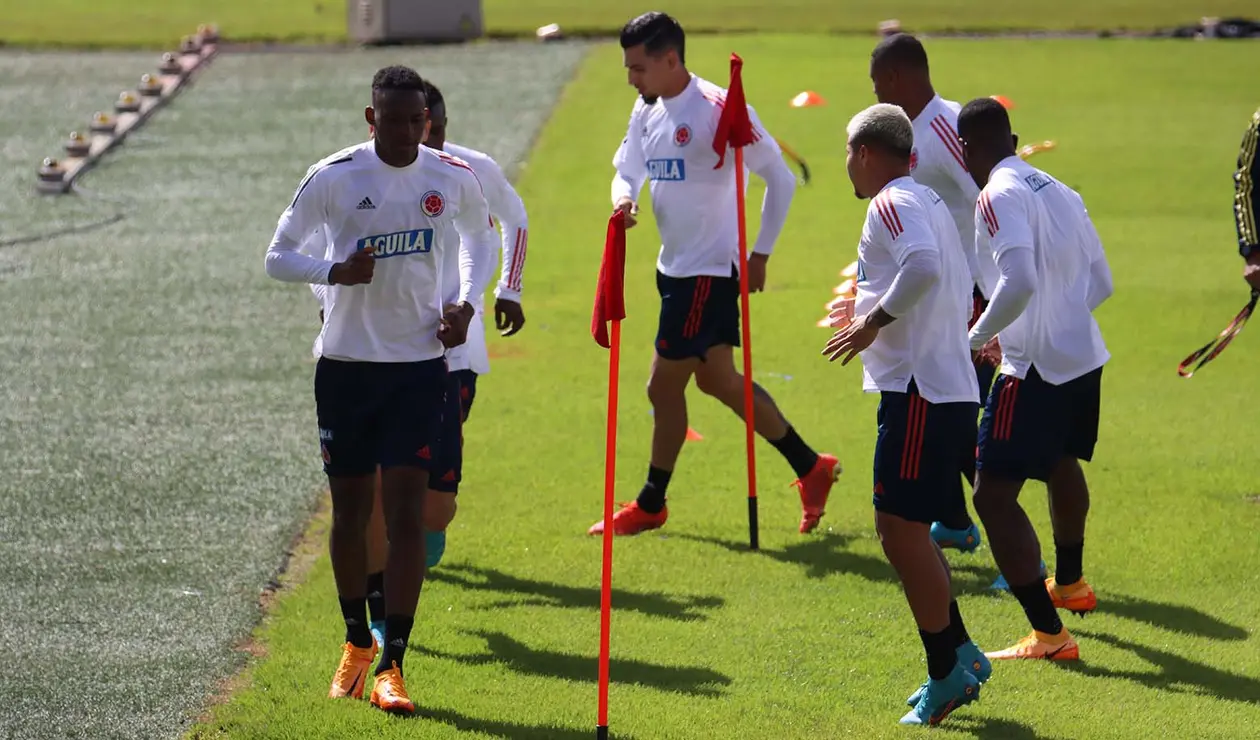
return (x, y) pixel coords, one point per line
(957, 629)
(941, 658)
(652, 496)
(376, 596)
(796, 452)
(1038, 606)
(397, 632)
(1067, 562)
(354, 611)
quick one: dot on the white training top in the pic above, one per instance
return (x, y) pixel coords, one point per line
(929, 342)
(937, 161)
(408, 215)
(509, 209)
(670, 144)
(1022, 207)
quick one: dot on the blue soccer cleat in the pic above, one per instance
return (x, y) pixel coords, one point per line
(972, 660)
(434, 547)
(1001, 585)
(939, 698)
(963, 540)
(378, 633)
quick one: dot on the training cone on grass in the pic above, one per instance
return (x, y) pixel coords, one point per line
(1005, 101)
(693, 435)
(807, 99)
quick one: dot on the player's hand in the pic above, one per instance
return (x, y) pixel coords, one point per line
(989, 354)
(1251, 272)
(854, 338)
(356, 270)
(757, 272)
(453, 327)
(509, 317)
(842, 315)
(630, 208)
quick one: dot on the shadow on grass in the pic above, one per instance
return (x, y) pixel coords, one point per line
(821, 556)
(988, 728)
(507, 729)
(1173, 617)
(506, 651)
(545, 593)
(1175, 673)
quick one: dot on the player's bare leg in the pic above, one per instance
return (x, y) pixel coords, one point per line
(1069, 508)
(667, 391)
(439, 511)
(815, 473)
(1018, 555)
(402, 493)
(377, 554)
(347, 547)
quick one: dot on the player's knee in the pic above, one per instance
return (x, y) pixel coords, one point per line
(351, 515)
(720, 384)
(439, 511)
(663, 390)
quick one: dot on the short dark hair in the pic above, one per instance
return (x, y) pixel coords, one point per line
(397, 77)
(657, 32)
(986, 122)
(433, 96)
(900, 50)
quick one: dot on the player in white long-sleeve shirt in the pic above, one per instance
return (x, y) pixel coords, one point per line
(1041, 418)
(389, 212)
(910, 327)
(901, 76)
(669, 144)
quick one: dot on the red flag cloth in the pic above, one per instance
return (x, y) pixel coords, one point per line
(734, 128)
(610, 291)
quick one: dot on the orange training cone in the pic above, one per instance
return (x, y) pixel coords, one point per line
(1005, 101)
(808, 99)
(693, 435)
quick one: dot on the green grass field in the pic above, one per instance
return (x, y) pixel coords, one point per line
(811, 636)
(156, 414)
(159, 24)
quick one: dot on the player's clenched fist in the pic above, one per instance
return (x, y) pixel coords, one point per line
(628, 207)
(356, 270)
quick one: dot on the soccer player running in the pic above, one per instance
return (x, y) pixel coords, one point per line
(1041, 418)
(464, 362)
(668, 142)
(1247, 202)
(387, 208)
(913, 303)
(899, 72)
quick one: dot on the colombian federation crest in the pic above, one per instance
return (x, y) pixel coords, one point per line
(914, 159)
(433, 203)
(682, 135)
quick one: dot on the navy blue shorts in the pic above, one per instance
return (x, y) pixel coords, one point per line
(697, 313)
(448, 457)
(467, 390)
(378, 414)
(918, 453)
(1030, 425)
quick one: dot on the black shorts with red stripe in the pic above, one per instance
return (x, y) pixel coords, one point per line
(697, 313)
(918, 453)
(1030, 425)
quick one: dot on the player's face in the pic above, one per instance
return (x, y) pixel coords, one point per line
(884, 83)
(647, 73)
(974, 168)
(854, 167)
(400, 118)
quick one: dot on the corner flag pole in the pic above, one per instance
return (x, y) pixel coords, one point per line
(610, 306)
(735, 130)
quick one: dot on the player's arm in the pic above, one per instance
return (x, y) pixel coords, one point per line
(764, 158)
(478, 241)
(903, 226)
(1002, 219)
(630, 163)
(506, 205)
(899, 225)
(308, 212)
(1100, 283)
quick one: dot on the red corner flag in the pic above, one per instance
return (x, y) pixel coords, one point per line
(610, 298)
(735, 130)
